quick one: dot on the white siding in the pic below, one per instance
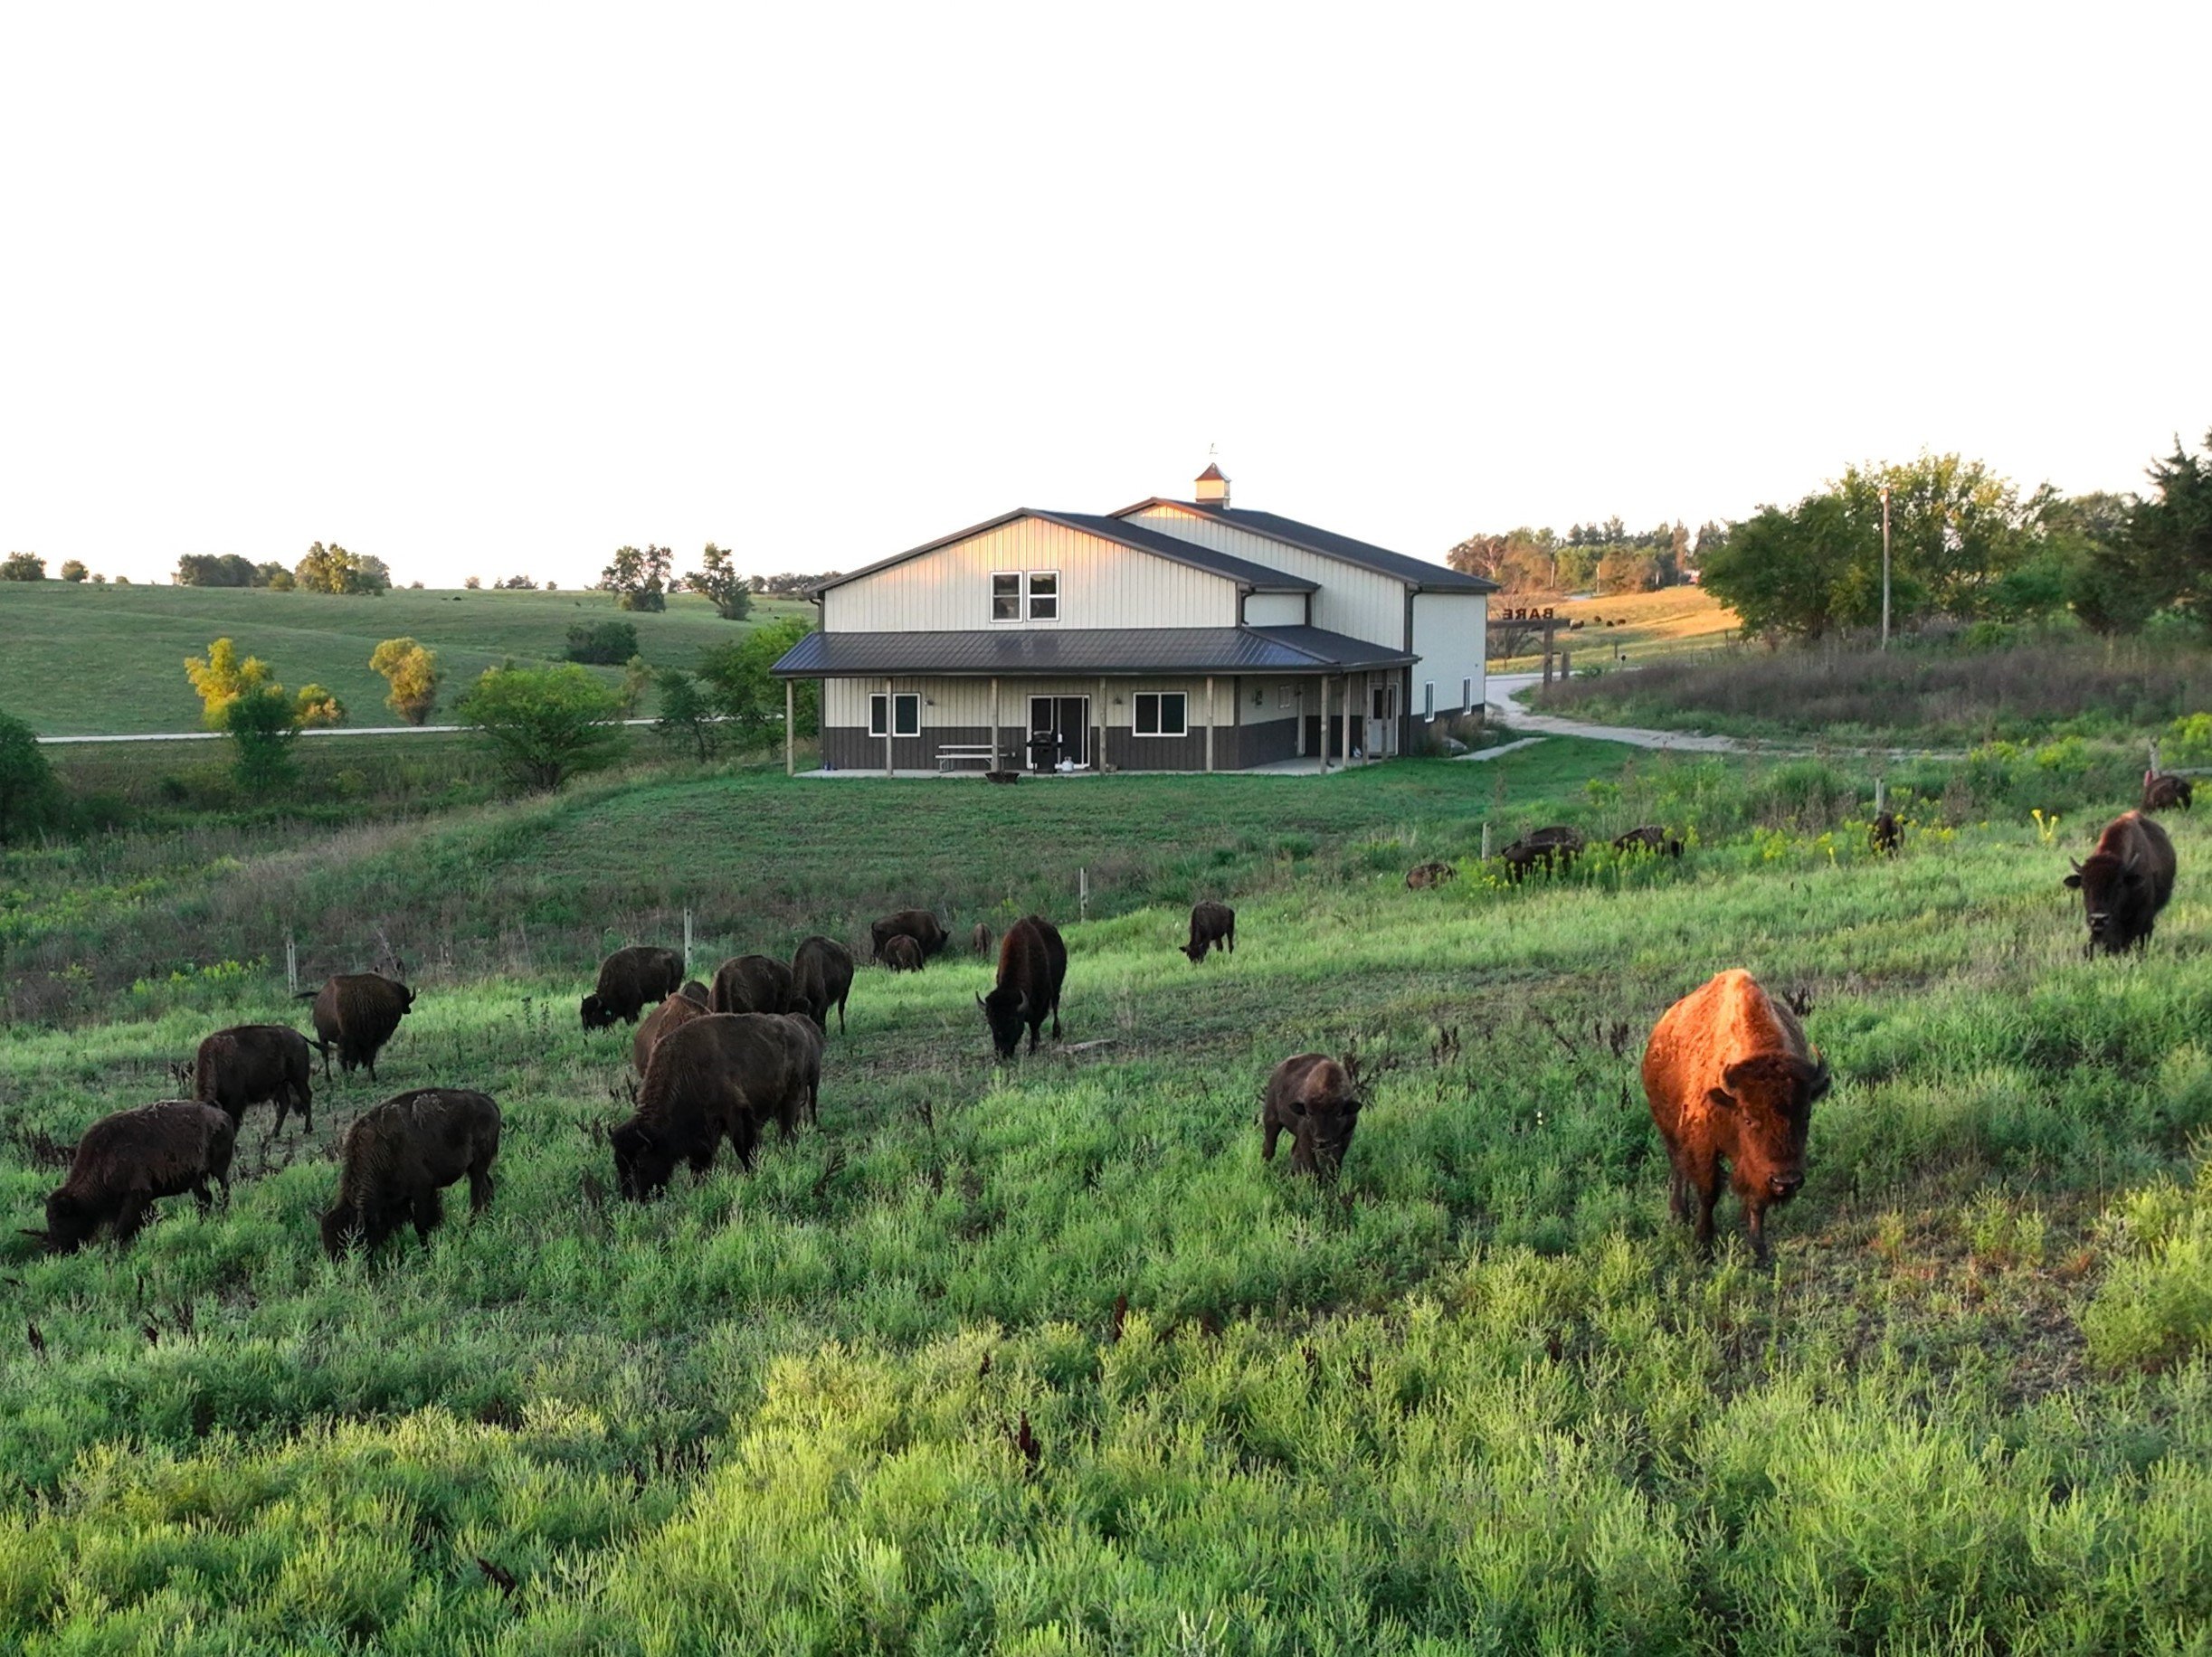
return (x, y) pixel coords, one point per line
(1275, 610)
(1351, 600)
(949, 702)
(1102, 584)
(1450, 636)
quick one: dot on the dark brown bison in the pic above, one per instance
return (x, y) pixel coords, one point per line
(356, 1013)
(1032, 965)
(1313, 1098)
(1886, 837)
(2125, 882)
(126, 1163)
(900, 954)
(2164, 793)
(751, 984)
(715, 1077)
(1422, 877)
(629, 982)
(399, 1155)
(1650, 837)
(693, 990)
(679, 1008)
(979, 939)
(251, 1063)
(1555, 847)
(821, 978)
(804, 1037)
(918, 924)
(1213, 926)
(1730, 1077)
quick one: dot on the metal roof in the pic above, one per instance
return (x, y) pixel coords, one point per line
(1115, 651)
(1416, 571)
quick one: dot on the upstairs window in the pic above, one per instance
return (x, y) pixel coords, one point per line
(1163, 713)
(1044, 595)
(906, 713)
(1025, 595)
(1006, 596)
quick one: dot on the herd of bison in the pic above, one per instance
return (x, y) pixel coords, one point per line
(1729, 1075)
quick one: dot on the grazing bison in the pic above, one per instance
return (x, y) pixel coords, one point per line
(1313, 1098)
(399, 1155)
(251, 1063)
(2125, 882)
(1555, 847)
(356, 1013)
(715, 1077)
(751, 984)
(631, 981)
(821, 978)
(979, 939)
(1886, 836)
(127, 1162)
(1212, 927)
(1650, 837)
(1032, 965)
(679, 1008)
(1426, 874)
(900, 954)
(1730, 1076)
(2164, 793)
(918, 924)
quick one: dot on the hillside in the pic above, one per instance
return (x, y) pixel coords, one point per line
(85, 660)
(1043, 1357)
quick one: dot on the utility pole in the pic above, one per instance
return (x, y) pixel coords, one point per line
(1886, 567)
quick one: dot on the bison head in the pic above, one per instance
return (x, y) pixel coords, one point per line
(642, 1162)
(1770, 1098)
(597, 1014)
(69, 1222)
(341, 1228)
(1006, 1010)
(1324, 1109)
(2108, 885)
(1195, 951)
(695, 992)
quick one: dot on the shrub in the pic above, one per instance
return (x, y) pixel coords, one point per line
(28, 795)
(314, 706)
(22, 566)
(545, 724)
(263, 723)
(605, 644)
(746, 695)
(74, 570)
(221, 678)
(686, 717)
(412, 671)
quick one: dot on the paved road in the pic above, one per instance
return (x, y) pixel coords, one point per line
(1505, 688)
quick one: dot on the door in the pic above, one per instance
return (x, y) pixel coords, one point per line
(1060, 729)
(1381, 719)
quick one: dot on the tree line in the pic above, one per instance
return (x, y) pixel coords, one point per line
(1608, 556)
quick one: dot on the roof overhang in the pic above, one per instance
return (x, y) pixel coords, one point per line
(1089, 652)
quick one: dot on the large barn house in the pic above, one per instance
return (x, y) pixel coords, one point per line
(1171, 635)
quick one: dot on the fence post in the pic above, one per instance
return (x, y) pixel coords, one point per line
(292, 964)
(1083, 894)
(686, 943)
(1881, 795)
(1486, 840)
(2154, 756)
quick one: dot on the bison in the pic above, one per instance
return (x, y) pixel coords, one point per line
(399, 1155)
(2164, 793)
(358, 1013)
(1312, 1097)
(127, 1162)
(715, 1077)
(1212, 927)
(1648, 837)
(1032, 965)
(821, 978)
(251, 1063)
(1429, 875)
(979, 939)
(751, 984)
(804, 1038)
(2125, 882)
(1885, 836)
(918, 924)
(678, 1009)
(631, 981)
(1730, 1076)
(900, 954)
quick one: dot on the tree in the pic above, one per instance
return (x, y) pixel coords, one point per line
(605, 644)
(637, 679)
(221, 678)
(1627, 569)
(518, 583)
(2168, 538)
(263, 723)
(273, 576)
(333, 569)
(314, 706)
(473, 583)
(639, 579)
(1779, 569)
(719, 581)
(22, 566)
(29, 798)
(746, 696)
(215, 570)
(73, 571)
(545, 724)
(686, 716)
(412, 671)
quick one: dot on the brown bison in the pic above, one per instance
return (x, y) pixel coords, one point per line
(751, 984)
(1213, 926)
(979, 939)
(251, 1063)
(631, 981)
(804, 1038)
(715, 1077)
(1032, 965)
(399, 1155)
(1555, 847)
(821, 978)
(1730, 1076)
(2125, 882)
(358, 1013)
(1426, 874)
(127, 1162)
(900, 954)
(679, 1008)
(1313, 1099)
(918, 924)
(2164, 793)
(1886, 837)
(1650, 837)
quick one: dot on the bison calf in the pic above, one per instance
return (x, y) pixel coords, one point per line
(251, 1064)
(1650, 837)
(1313, 1098)
(2128, 879)
(821, 978)
(1422, 877)
(928, 933)
(1731, 1078)
(2164, 793)
(1212, 927)
(399, 1155)
(900, 954)
(631, 981)
(356, 1013)
(979, 939)
(127, 1162)
(1032, 966)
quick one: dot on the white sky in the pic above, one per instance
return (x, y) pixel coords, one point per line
(481, 291)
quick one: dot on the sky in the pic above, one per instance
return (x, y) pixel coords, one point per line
(486, 290)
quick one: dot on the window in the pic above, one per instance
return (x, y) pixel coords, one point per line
(1428, 699)
(906, 710)
(1044, 595)
(1025, 596)
(1162, 713)
(1282, 695)
(1467, 695)
(1006, 596)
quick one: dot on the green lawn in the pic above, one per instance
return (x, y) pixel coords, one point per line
(85, 660)
(1043, 1358)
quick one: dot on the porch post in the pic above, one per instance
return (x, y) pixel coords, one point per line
(1325, 724)
(890, 724)
(1209, 722)
(1098, 753)
(791, 764)
(995, 722)
(1297, 711)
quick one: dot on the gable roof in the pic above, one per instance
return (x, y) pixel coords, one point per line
(1256, 577)
(1119, 651)
(1417, 572)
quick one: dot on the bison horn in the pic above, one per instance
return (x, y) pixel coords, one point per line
(978, 1002)
(44, 1236)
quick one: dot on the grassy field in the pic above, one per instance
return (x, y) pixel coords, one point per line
(1043, 1358)
(84, 660)
(1642, 626)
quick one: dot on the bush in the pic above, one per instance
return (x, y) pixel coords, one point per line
(545, 724)
(412, 671)
(22, 566)
(28, 795)
(74, 570)
(604, 644)
(263, 723)
(746, 695)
